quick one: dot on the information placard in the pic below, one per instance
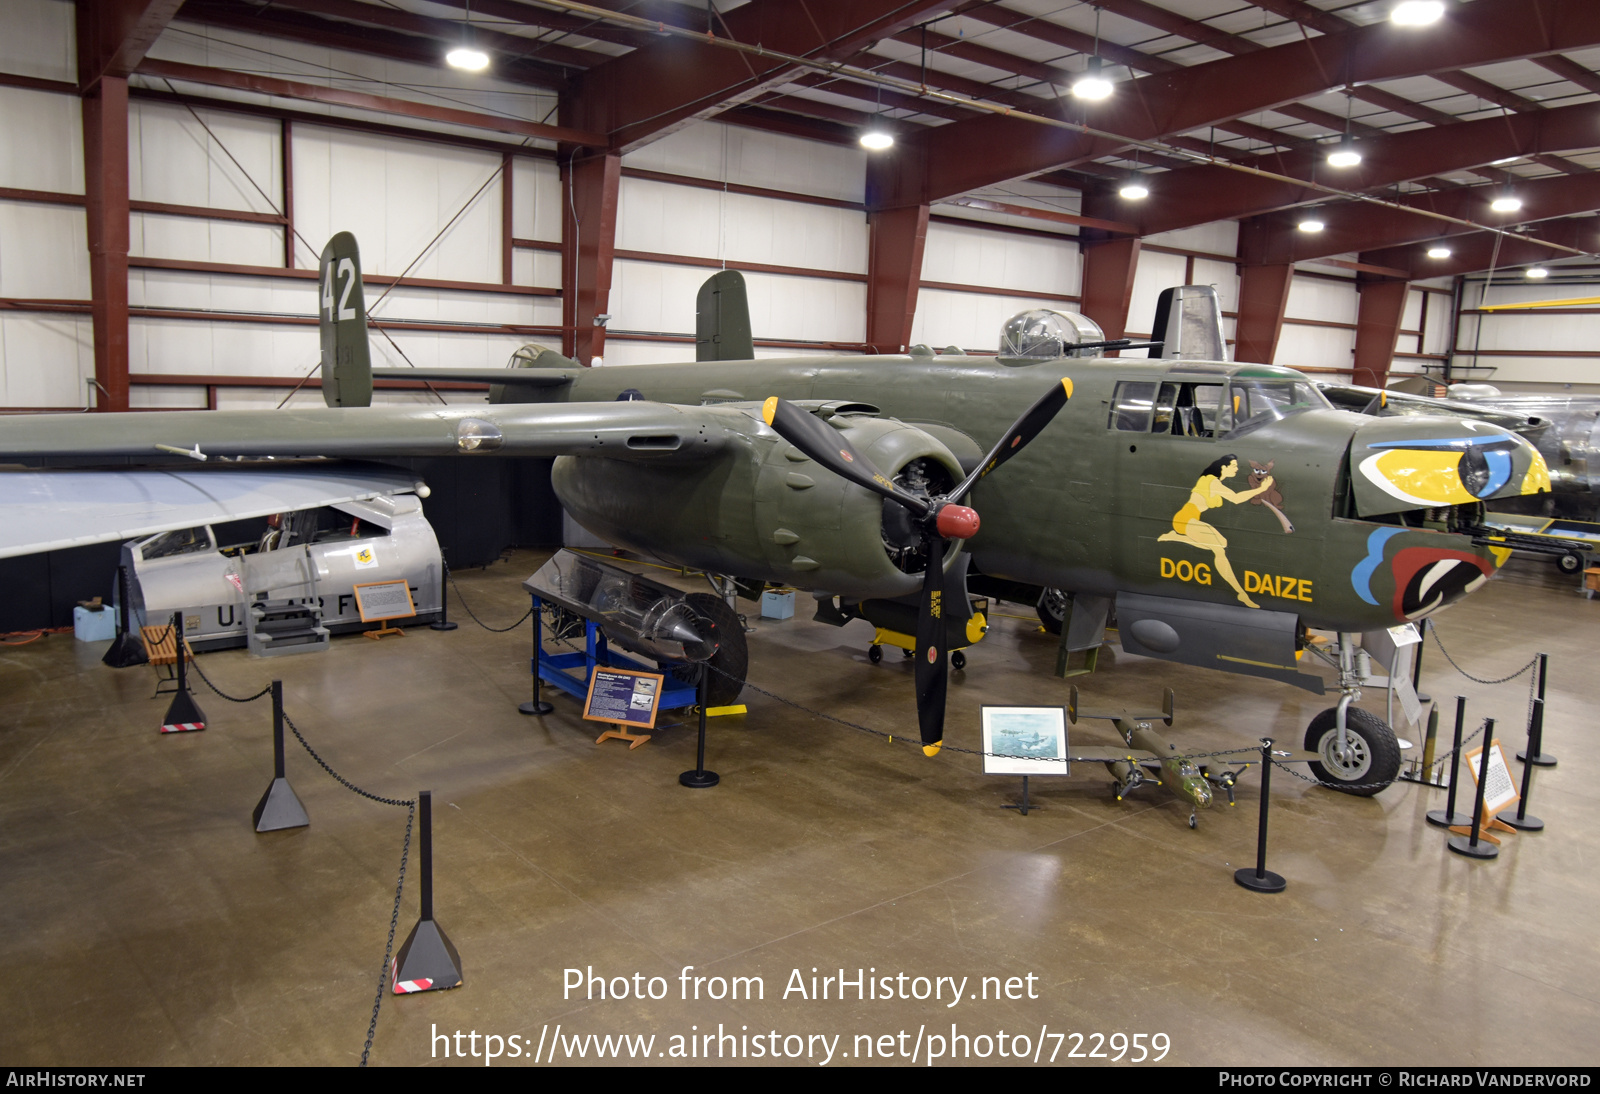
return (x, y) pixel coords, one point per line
(1500, 791)
(1025, 741)
(380, 600)
(623, 697)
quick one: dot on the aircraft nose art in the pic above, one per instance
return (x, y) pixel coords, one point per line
(1425, 463)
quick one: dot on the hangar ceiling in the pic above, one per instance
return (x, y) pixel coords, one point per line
(1226, 109)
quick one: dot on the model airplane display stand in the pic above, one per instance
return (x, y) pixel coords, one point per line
(428, 960)
(626, 698)
(1540, 759)
(1024, 741)
(184, 715)
(383, 602)
(1487, 846)
(279, 807)
(1262, 880)
(1448, 817)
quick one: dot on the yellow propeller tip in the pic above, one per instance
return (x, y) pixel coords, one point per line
(1066, 383)
(933, 749)
(769, 409)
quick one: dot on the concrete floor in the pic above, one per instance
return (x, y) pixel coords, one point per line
(143, 922)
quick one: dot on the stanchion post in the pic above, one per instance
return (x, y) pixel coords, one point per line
(1262, 880)
(279, 807)
(700, 778)
(1021, 807)
(1525, 821)
(184, 715)
(125, 650)
(1540, 758)
(428, 961)
(537, 705)
(1471, 847)
(1448, 817)
(443, 622)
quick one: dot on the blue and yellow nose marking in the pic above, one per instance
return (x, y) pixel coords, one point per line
(1429, 472)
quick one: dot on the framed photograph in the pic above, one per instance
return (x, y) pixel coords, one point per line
(623, 697)
(1025, 741)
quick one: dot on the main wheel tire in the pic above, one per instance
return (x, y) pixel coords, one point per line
(1053, 607)
(1374, 753)
(731, 662)
(1569, 563)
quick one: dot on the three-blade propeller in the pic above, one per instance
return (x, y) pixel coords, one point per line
(939, 519)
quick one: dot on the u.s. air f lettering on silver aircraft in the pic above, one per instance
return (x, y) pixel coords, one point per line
(1220, 508)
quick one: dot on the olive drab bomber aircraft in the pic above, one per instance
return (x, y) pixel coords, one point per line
(1220, 509)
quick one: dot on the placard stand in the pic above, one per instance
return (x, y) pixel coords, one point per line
(1022, 806)
(1487, 846)
(391, 600)
(621, 734)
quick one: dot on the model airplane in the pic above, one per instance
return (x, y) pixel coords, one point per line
(852, 476)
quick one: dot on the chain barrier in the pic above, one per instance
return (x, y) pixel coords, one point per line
(468, 608)
(1533, 686)
(194, 663)
(394, 923)
(405, 848)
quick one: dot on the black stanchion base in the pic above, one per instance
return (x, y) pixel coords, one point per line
(540, 708)
(183, 716)
(446, 626)
(279, 808)
(699, 780)
(427, 962)
(1442, 819)
(1462, 845)
(1265, 882)
(125, 652)
(1543, 759)
(1529, 823)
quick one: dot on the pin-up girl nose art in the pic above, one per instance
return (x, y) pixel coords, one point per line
(1209, 493)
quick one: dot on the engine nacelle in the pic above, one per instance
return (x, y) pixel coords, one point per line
(764, 510)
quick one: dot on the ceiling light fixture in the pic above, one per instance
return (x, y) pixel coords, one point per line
(466, 56)
(1344, 154)
(1092, 85)
(1536, 272)
(1311, 222)
(1506, 203)
(1416, 13)
(1134, 189)
(1439, 252)
(876, 138)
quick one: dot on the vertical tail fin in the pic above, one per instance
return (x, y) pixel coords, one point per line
(342, 318)
(1188, 324)
(722, 319)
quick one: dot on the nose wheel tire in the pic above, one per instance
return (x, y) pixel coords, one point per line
(1371, 760)
(874, 653)
(1053, 607)
(958, 660)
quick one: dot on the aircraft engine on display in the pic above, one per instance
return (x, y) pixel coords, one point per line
(311, 556)
(764, 510)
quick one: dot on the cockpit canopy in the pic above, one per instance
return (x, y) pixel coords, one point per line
(1044, 335)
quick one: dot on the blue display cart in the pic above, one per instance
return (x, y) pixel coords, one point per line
(572, 671)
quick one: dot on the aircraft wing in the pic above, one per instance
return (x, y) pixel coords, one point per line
(1108, 755)
(621, 430)
(51, 509)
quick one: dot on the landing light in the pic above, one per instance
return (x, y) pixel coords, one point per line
(1416, 13)
(467, 58)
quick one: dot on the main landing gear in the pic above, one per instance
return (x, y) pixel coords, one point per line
(1360, 754)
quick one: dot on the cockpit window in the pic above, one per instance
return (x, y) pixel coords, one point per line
(1256, 402)
(1130, 410)
(183, 541)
